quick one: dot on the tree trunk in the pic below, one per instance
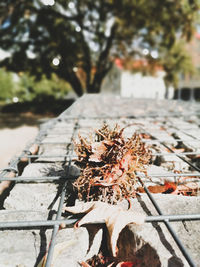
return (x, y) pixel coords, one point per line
(73, 80)
(77, 87)
(95, 86)
(167, 85)
(103, 64)
(166, 91)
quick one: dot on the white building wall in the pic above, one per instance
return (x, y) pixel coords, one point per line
(139, 86)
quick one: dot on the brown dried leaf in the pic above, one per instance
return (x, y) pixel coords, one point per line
(117, 221)
(81, 208)
(114, 217)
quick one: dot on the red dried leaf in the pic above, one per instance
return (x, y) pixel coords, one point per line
(169, 187)
(156, 189)
(85, 264)
(125, 264)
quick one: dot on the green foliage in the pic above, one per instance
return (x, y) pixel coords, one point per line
(87, 35)
(7, 85)
(26, 88)
(29, 89)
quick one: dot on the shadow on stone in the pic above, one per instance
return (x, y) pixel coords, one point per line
(174, 261)
(133, 248)
(162, 237)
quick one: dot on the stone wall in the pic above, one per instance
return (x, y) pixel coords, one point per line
(40, 199)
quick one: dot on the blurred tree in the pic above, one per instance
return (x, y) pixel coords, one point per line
(175, 61)
(79, 39)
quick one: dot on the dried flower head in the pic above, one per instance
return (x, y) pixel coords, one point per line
(109, 163)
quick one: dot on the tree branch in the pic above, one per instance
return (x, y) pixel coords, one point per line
(86, 50)
(101, 68)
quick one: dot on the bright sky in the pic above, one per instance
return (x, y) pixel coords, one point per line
(3, 54)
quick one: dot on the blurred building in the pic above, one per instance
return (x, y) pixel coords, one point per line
(131, 82)
(137, 85)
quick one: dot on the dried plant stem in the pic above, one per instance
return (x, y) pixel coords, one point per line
(109, 163)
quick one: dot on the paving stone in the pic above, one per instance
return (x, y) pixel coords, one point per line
(35, 196)
(73, 246)
(47, 152)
